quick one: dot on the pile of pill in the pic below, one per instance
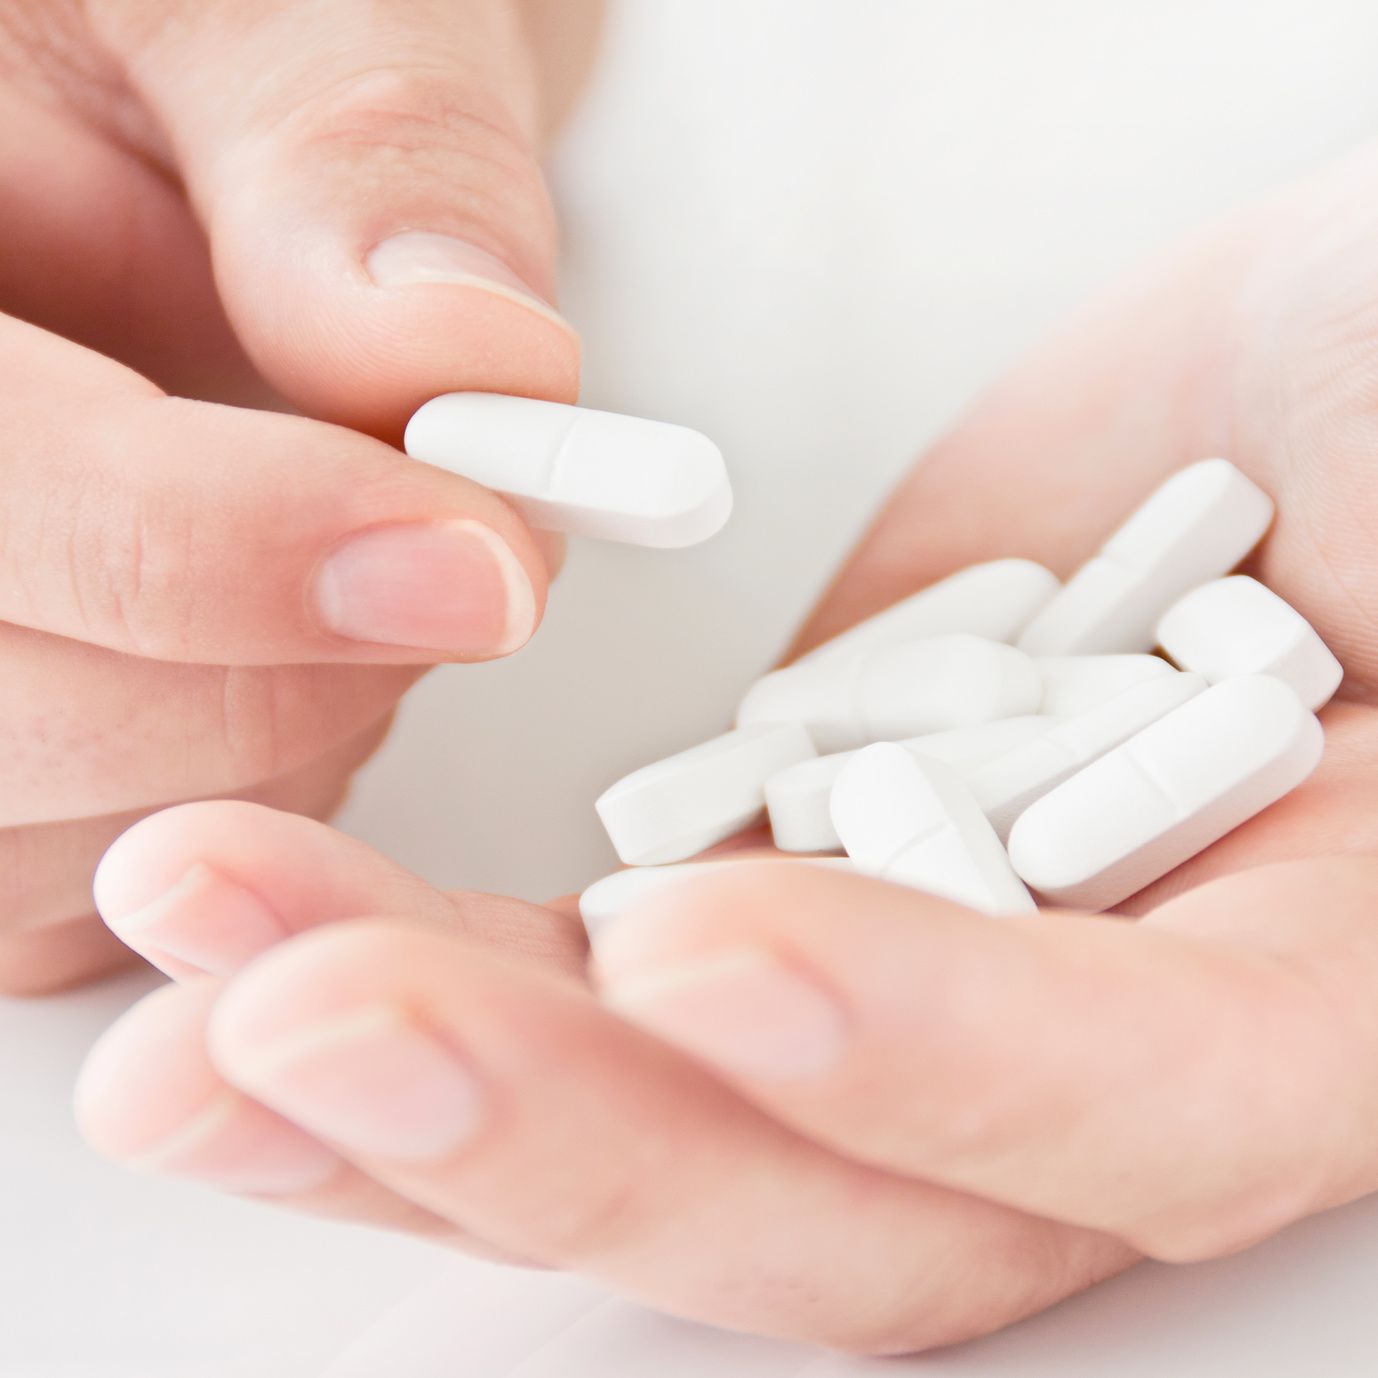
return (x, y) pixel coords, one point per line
(1000, 736)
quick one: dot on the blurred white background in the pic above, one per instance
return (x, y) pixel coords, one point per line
(814, 229)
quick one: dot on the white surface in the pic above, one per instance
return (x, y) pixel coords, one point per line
(1236, 626)
(1167, 793)
(1197, 525)
(812, 230)
(673, 809)
(898, 689)
(577, 469)
(995, 599)
(913, 820)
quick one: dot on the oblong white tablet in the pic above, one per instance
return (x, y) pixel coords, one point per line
(994, 600)
(612, 896)
(1236, 626)
(899, 690)
(1167, 793)
(592, 473)
(912, 821)
(798, 798)
(1197, 526)
(1073, 684)
(673, 809)
(1006, 786)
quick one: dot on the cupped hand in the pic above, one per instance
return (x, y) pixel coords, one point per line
(333, 207)
(809, 1104)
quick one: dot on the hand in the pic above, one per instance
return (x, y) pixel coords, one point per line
(339, 207)
(811, 1104)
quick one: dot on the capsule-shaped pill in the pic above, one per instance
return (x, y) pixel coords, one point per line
(994, 600)
(591, 473)
(675, 808)
(1236, 626)
(798, 797)
(1167, 793)
(895, 691)
(913, 821)
(1074, 684)
(1197, 526)
(1008, 784)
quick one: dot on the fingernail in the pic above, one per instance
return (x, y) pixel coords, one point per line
(741, 1011)
(370, 1080)
(421, 256)
(206, 921)
(241, 1147)
(439, 586)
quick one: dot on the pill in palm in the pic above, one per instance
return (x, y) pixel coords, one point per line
(898, 690)
(1167, 793)
(798, 797)
(1008, 784)
(994, 600)
(1197, 526)
(1236, 626)
(1072, 684)
(675, 808)
(914, 822)
(614, 895)
(592, 473)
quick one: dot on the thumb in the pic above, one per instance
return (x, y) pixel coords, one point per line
(368, 175)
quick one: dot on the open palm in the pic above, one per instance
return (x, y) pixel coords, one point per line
(812, 1104)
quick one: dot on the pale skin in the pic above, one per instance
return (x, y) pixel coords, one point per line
(336, 207)
(809, 1105)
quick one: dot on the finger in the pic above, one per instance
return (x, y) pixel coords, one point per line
(85, 731)
(208, 887)
(1190, 1084)
(368, 177)
(183, 531)
(46, 869)
(149, 1098)
(504, 1099)
(133, 281)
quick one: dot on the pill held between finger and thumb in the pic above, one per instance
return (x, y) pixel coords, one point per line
(589, 473)
(1236, 626)
(899, 690)
(797, 798)
(1196, 526)
(1167, 793)
(675, 808)
(914, 822)
(995, 600)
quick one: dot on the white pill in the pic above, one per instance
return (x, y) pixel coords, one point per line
(1198, 525)
(593, 473)
(900, 690)
(797, 798)
(1236, 626)
(1009, 784)
(611, 897)
(1072, 684)
(675, 808)
(994, 600)
(914, 822)
(1167, 793)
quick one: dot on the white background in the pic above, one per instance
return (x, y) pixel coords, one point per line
(813, 228)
